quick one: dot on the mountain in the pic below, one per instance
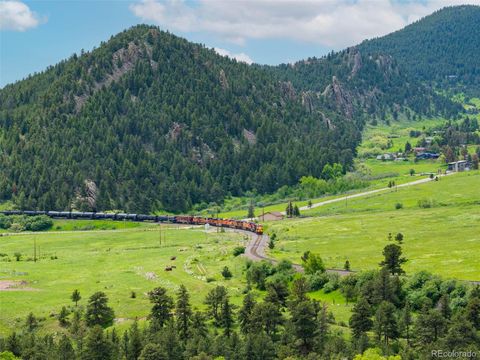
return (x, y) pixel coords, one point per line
(149, 121)
(442, 48)
(364, 86)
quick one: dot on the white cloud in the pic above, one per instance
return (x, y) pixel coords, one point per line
(15, 15)
(239, 57)
(335, 23)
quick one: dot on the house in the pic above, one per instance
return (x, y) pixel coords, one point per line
(419, 149)
(456, 166)
(271, 216)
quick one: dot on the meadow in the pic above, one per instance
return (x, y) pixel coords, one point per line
(442, 237)
(117, 262)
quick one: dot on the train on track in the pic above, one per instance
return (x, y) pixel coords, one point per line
(175, 219)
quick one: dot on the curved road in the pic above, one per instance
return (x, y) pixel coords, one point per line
(255, 249)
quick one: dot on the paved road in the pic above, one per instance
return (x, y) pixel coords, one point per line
(365, 193)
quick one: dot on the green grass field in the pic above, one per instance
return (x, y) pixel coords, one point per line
(116, 262)
(444, 239)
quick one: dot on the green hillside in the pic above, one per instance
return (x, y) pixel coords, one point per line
(439, 221)
(442, 48)
(149, 121)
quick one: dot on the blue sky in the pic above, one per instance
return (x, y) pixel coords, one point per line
(36, 34)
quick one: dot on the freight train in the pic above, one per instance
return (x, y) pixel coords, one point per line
(175, 219)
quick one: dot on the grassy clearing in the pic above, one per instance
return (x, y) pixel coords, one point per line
(443, 239)
(336, 303)
(116, 262)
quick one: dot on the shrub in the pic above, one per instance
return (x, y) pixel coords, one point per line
(18, 256)
(332, 284)
(426, 203)
(317, 281)
(226, 273)
(238, 250)
(398, 206)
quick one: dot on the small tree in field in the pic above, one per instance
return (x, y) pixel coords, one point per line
(18, 256)
(347, 266)
(226, 273)
(271, 244)
(76, 297)
(399, 237)
(296, 211)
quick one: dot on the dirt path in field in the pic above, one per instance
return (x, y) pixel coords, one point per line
(13, 285)
(255, 250)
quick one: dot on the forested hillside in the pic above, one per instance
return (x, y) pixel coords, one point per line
(150, 116)
(149, 121)
(366, 86)
(441, 48)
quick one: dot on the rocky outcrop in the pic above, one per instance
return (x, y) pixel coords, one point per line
(340, 96)
(308, 101)
(223, 80)
(250, 137)
(287, 90)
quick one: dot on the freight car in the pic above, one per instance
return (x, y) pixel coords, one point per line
(175, 219)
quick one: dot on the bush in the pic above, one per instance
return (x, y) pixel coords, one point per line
(398, 206)
(226, 273)
(19, 223)
(426, 203)
(332, 284)
(317, 281)
(238, 250)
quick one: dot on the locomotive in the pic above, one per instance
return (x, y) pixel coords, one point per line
(175, 219)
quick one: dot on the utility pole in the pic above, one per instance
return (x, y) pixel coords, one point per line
(34, 249)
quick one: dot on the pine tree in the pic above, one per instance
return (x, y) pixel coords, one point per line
(153, 351)
(31, 323)
(393, 259)
(134, 342)
(385, 323)
(214, 301)
(98, 312)
(360, 321)
(65, 349)
(226, 317)
(162, 307)
(406, 322)
(444, 306)
(75, 296)
(63, 317)
(97, 347)
(183, 313)
(245, 313)
(303, 319)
